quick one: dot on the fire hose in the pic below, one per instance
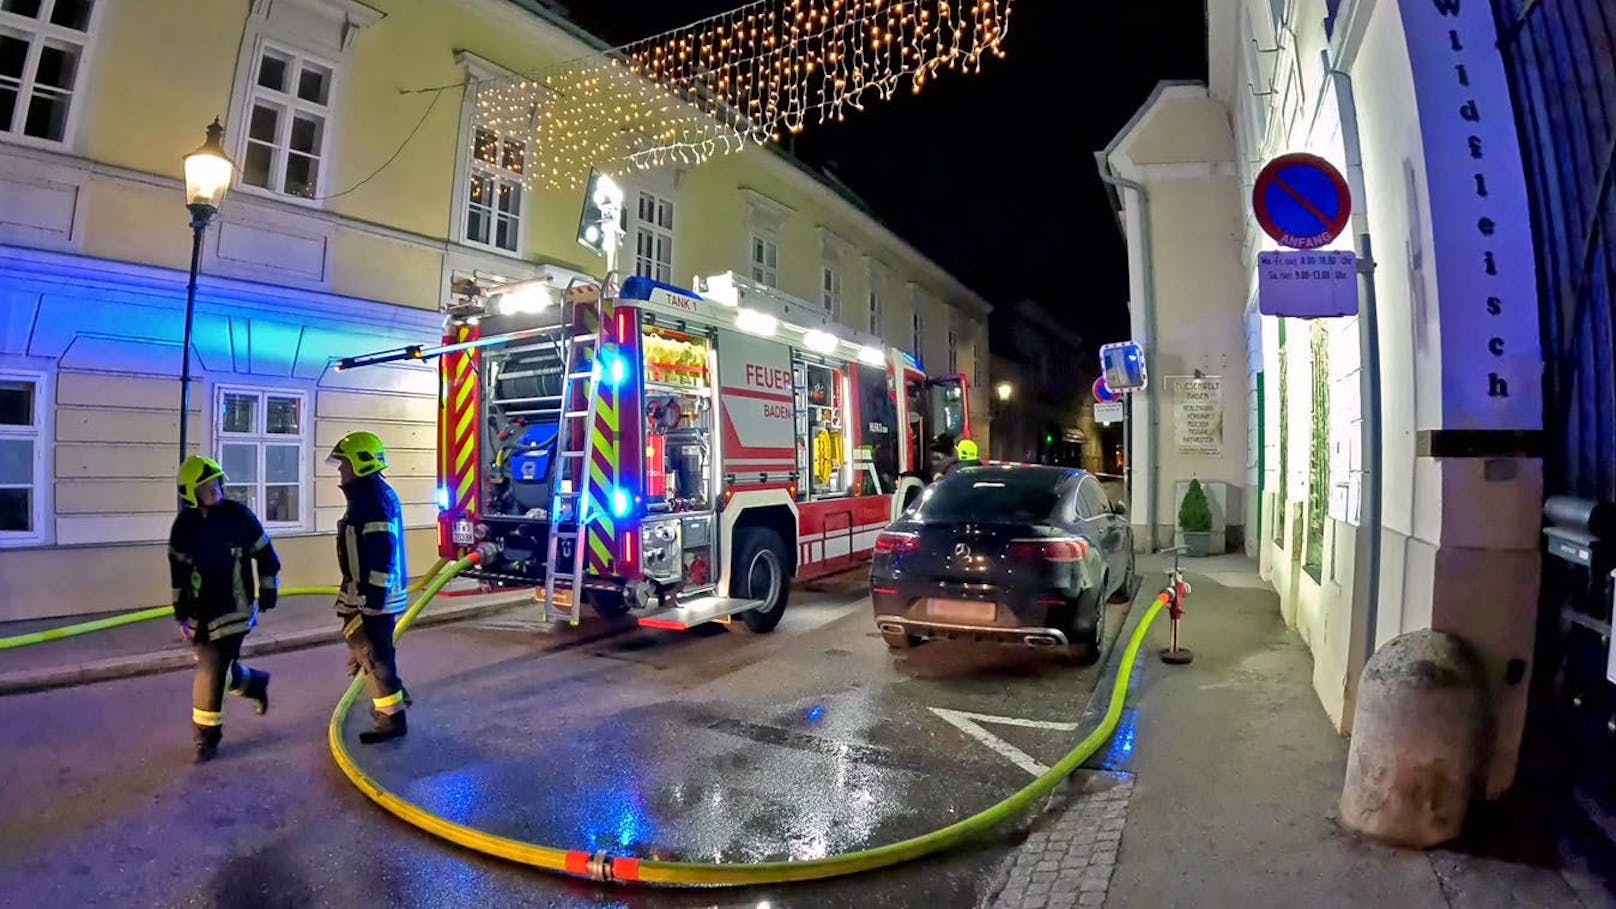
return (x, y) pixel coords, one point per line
(601, 866)
(157, 612)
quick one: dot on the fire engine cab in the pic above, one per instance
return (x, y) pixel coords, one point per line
(675, 455)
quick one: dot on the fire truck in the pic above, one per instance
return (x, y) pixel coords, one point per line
(678, 456)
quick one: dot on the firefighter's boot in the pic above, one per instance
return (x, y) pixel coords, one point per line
(257, 690)
(207, 742)
(388, 726)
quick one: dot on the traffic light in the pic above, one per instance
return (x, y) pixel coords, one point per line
(1049, 438)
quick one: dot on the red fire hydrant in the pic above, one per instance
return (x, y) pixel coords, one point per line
(1177, 594)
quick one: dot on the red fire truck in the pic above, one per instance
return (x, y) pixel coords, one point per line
(680, 456)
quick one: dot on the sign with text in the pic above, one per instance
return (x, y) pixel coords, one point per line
(1307, 285)
(1487, 342)
(1197, 414)
(1109, 411)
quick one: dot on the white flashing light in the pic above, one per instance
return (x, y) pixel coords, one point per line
(819, 341)
(525, 298)
(757, 323)
(721, 289)
(607, 192)
(872, 356)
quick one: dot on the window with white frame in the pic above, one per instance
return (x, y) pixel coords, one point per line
(262, 446)
(953, 353)
(830, 287)
(877, 314)
(20, 441)
(42, 46)
(494, 190)
(653, 237)
(765, 261)
(288, 122)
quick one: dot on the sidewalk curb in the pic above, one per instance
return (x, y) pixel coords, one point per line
(156, 662)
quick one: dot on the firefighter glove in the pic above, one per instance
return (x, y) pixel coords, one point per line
(268, 598)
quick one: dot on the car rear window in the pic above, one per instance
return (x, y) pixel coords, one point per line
(1000, 497)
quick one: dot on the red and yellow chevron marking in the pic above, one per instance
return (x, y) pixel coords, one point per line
(460, 443)
(605, 454)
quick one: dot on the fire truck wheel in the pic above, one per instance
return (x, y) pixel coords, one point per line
(760, 574)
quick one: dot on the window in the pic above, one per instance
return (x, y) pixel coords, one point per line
(953, 354)
(261, 448)
(20, 480)
(653, 238)
(1094, 500)
(918, 327)
(288, 113)
(41, 54)
(494, 190)
(877, 316)
(831, 291)
(765, 261)
(1016, 497)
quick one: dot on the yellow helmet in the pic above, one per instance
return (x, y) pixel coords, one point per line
(966, 451)
(363, 450)
(194, 472)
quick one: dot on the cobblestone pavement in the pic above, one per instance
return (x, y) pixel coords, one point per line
(1068, 858)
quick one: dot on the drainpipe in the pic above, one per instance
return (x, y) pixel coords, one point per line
(1154, 477)
(1365, 594)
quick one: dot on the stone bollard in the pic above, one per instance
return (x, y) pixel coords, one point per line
(1418, 741)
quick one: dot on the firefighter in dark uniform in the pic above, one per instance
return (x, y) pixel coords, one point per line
(212, 549)
(370, 552)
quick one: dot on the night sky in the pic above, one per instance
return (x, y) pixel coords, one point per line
(992, 175)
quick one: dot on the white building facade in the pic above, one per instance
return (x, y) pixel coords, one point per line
(1382, 465)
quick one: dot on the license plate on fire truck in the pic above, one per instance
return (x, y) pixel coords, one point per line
(463, 535)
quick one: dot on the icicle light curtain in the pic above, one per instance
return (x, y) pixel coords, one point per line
(748, 76)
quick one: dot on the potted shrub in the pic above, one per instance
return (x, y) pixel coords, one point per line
(1195, 520)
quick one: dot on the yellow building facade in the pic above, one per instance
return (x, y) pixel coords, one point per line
(358, 199)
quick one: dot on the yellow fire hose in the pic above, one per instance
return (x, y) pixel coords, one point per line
(157, 612)
(601, 866)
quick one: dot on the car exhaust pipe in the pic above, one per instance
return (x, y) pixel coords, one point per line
(891, 628)
(1040, 640)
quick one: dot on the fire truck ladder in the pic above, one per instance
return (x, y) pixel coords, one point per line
(569, 507)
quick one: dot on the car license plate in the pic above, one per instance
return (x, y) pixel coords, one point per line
(463, 535)
(973, 612)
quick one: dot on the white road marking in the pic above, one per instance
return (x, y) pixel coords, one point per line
(968, 723)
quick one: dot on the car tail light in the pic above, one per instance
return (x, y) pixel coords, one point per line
(1053, 549)
(885, 591)
(894, 542)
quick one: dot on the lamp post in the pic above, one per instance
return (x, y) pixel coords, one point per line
(207, 176)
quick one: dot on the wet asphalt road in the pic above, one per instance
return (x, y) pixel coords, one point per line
(715, 745)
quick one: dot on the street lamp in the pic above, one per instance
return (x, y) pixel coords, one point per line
(1004, 390)
(207, 176)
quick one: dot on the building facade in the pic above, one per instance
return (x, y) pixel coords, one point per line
(365, 186)
(1381, 462)
(1049, 369)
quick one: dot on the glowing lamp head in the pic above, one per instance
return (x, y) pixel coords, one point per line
(208, 171)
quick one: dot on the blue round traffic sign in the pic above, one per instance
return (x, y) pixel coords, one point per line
(1103, 392)
(1301, 201)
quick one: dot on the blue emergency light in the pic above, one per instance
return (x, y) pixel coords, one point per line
(1123, 365)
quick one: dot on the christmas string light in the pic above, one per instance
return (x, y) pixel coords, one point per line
(748, 76)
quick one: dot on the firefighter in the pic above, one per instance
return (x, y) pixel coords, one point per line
(370, 552)
(942, 456)
(966, 454)
(212, 548)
